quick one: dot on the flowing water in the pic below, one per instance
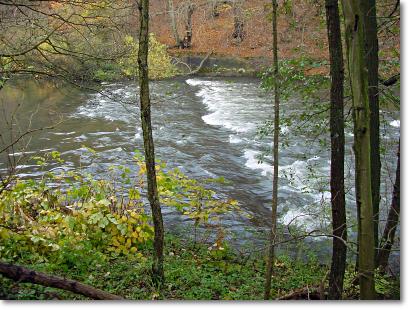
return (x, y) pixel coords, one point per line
(206, 127)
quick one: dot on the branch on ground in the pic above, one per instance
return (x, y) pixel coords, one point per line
(22, 274)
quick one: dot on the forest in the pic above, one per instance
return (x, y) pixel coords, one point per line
(200, 150)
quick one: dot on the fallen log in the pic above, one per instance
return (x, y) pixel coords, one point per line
(22, 274)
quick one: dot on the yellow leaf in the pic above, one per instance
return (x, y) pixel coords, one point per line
(135, 234)
(115, 241)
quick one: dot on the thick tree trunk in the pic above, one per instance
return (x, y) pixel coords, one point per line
(387, 240)
(22, 274)
(272, 237)
(188, 26)
(172, 20)
(372, 60)
(337, 188)
(354, 25)
(145, 106)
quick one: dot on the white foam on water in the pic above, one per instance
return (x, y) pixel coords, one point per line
(80, 138)
(295, 172)
(252, 162)
(100, 133)
(284, 129)
(305, 219)
(395, 123)
(297, 176)
(29, 152)
(227, 105)
(117, 149)
(234, 139)
(63, 133)
(26, 166)
(137, 135)
(22, 153)
(314, 158)
(109, 105)
(196, 82)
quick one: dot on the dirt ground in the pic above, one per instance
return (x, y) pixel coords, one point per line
(301, 25)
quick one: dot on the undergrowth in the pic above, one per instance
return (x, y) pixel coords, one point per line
(99, 232)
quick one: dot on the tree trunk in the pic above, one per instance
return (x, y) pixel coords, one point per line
(272, 237)
(22, 274)
(145, 106)
(188, 26)
(238, 32)
(214, 8)
(392, 222)
(354, 25)
(372, 60)
(337, 188)
(172, 20)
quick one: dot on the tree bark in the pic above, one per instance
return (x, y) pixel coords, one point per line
(372, 61)
(145, 106)
(354, 28)
(272, 237)
(22, 274)
(337, 188)
(238, 32)
(214, 8)
(387, 240)
(172, 20)
(188, 25)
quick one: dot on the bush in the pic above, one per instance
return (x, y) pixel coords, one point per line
(72, 217)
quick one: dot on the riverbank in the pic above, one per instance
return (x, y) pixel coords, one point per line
(210, 65)
(195, 272)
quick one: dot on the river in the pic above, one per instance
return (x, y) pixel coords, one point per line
(206, 127)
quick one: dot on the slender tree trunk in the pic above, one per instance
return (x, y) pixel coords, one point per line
(387, 240)
(172, 20)
(359, 223)
(337, 188)
(272, 237)
(214, 8)
(145, 106)
(238, 32)
(372, 60)
(354, 25)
